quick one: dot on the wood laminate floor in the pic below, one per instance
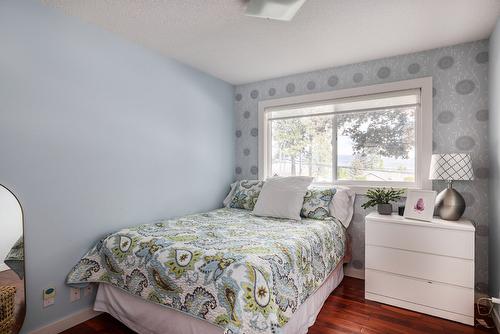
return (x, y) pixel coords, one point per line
(345, 311)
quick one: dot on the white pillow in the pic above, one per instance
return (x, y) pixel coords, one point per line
(282, 197)
(229, 196)
(342, 205)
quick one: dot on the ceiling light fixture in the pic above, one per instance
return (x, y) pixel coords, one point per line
(282, 10)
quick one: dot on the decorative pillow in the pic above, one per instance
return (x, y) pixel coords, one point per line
(282, 197)
(342, 205)
(316, 203)
(229, 197)
(245, 194)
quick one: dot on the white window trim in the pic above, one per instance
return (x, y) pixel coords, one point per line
(423, 129)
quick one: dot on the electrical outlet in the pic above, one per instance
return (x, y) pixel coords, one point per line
(49, 297)
(74, 294)
(87, 291)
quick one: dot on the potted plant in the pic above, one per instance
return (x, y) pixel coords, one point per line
(382, 198)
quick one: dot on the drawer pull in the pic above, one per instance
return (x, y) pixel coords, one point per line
(430, 282)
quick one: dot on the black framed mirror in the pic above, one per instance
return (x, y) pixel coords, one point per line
(12, 282)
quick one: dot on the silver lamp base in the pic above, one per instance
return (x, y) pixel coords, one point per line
(450, 205)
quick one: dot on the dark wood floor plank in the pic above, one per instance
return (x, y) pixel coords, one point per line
(345, 311)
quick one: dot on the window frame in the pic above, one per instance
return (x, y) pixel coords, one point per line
(423, 130)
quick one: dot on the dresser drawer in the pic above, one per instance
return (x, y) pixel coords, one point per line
(447, 242)
(436, 295)
(439, 268)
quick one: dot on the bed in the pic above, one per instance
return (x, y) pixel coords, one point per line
(224, 271)
(15, 258)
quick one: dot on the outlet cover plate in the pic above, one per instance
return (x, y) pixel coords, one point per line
(87, 291)
(49, 297)
(74, 294)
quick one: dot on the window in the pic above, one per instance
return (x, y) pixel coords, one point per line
(378, 135)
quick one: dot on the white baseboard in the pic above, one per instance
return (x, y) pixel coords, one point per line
(67, 322)
(496, 319)
(353, 272)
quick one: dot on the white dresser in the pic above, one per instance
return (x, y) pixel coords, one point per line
(427, 267)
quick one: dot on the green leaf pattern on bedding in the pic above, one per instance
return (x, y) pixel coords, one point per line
(244, 273)
(246, 194)
(316, 203)
(15, 257)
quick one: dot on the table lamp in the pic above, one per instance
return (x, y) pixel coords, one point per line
(451, 167)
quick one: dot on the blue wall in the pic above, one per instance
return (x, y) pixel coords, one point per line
(97, 133)
(494, 145)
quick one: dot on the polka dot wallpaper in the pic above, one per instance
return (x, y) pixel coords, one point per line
(460, 122)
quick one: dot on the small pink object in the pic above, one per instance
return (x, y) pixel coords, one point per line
(419, 206)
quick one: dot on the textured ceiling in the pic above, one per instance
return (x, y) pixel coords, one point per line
(215, 36)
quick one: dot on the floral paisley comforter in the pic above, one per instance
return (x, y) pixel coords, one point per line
(15, 258)
(243, 273)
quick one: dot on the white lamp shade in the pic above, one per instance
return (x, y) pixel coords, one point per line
(451, 166)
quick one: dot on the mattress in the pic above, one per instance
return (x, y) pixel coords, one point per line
(241, 273)
(149, 318)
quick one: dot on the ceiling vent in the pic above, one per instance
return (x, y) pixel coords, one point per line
(282, 10)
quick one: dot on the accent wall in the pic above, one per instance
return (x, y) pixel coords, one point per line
(460, 123)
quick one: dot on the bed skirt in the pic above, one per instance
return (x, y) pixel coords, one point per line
(148, 318)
